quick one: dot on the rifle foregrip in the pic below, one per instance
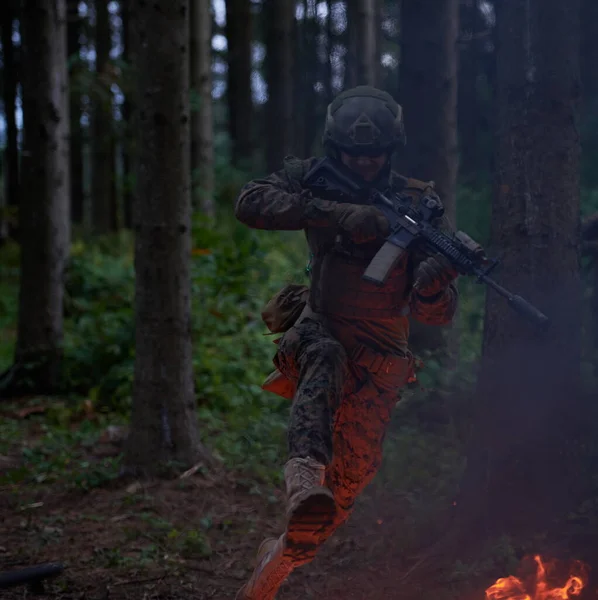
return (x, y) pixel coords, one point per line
(381, 265)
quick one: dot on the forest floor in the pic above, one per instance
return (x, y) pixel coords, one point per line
(185, 537)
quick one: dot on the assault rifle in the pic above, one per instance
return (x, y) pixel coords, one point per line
(411, 227)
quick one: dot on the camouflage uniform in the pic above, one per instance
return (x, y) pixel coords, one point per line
(346, 356)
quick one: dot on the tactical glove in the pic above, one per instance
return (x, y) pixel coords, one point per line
(433, 275)
(362, 223)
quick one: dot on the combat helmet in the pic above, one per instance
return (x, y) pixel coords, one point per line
(363, 120)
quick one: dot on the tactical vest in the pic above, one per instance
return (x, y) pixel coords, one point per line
(336, 267)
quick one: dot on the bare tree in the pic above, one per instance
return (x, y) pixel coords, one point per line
(163, 421)
(102, 167)
(240, 102)
(428, 94)
(362, 46)
(279, 17)
(10, 81)
(529, 382)
(44, 198)
(74, 26)
(202, 131)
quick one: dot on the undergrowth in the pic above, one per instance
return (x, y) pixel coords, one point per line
(234, 271)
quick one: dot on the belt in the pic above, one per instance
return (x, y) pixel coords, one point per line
(377, 362)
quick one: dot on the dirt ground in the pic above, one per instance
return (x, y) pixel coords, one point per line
(124, 542)
(195, 537)
(134, 540)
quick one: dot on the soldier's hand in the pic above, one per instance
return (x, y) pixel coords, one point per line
(433, 275)
(362, 223)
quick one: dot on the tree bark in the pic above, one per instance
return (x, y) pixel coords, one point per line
(10, 82)
(469, 117)
(529, 383)
(44, 198)
(428, 94)
(163, 421)
(76, 153)
(102, 160)
(239, 97)
(279, 16)
(129, 143)
(367, 60)
(202, 133)
(589, 60)
(589, 51)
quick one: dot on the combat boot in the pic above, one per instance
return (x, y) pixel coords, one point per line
(273, 567)
(310, 506)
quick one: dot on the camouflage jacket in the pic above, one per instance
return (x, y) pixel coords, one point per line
(280, 202)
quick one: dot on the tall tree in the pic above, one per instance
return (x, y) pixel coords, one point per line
(279, 16)
(306, 73)
(129, 130)
(239, 98)
(202, 130)
(589, 60)
(74, 24)
(102, 163)
(10, 81)
(469, 109)
(44, 198)
(367, 34)
(163, 421)
(529, 382)
(428, 94)
(363, 61)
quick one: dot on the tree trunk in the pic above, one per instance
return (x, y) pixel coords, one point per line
(240, 102)
(44, 198)
(366, 37)
(279, 16)
(589, 51)
(589, 60)
(102, 160)
(352, 45)
(428, 94)
(10, 80)
(379, 42)
(202, 133)
(76, 153)
(129, 129)
(299, 64)
(468, 105)
(330, 39)
(163, 422)
(521, 474)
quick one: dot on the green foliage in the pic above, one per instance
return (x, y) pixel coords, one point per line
(234, 271)
(9, 281)
(99, 334)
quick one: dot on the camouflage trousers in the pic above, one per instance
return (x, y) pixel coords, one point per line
(339, 414)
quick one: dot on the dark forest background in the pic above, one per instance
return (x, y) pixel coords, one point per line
(131, 342)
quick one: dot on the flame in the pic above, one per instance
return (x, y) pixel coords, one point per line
(513, 588)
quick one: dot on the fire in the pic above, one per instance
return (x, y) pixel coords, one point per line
(537, 587)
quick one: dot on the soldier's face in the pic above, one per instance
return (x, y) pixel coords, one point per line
(368, 167)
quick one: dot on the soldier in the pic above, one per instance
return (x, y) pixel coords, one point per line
(343, 356)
